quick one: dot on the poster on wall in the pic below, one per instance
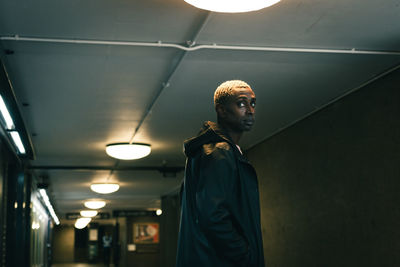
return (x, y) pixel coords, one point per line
(146, 233)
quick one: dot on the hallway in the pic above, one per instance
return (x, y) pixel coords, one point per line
(80, 80)
(79, 265)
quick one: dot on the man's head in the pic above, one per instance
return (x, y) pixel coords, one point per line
(235, 103)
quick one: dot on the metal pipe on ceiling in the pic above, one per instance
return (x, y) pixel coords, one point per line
(198, 47)
(104, 168)
(167, 171)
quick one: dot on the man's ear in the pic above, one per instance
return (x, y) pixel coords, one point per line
(221, 111)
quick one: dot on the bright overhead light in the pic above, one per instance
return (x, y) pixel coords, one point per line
(82, 222)
(158, 212)
(104, 188)
(18, 142)
(128, 151)
(232, 6)
(88, 213)
(95, 204)
(6, 115)
(46, 201)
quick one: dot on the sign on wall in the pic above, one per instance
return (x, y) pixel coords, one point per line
(146, 233)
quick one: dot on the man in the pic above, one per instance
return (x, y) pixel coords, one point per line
(220, 220)
(107, 239)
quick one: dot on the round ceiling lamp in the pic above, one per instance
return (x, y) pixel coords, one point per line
(232, 6)
(82, 222)
(104, 188)
(128, 151)
(94, 204)
(88, 213)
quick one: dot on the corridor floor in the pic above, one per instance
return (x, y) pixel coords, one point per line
(78, 265)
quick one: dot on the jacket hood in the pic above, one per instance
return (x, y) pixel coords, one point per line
(209, 133)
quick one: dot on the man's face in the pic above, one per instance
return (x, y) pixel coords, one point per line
(238, 112)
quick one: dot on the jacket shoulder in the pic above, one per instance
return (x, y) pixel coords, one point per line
(217, 148)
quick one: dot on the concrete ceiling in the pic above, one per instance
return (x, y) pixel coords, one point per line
(76, 98)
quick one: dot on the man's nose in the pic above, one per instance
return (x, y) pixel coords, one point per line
(250, 110)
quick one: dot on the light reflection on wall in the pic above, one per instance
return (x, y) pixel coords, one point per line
(39, 233)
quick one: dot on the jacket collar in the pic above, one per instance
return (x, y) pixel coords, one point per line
(223, 134)
(218, 130)
(211, 132)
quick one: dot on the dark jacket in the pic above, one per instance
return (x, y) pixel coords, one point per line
(220, 219)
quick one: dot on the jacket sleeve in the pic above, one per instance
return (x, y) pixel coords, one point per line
(214, 197)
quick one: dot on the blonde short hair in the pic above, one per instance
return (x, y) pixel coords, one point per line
(225, 90)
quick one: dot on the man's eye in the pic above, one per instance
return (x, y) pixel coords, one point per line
(253, 104)
(240, 104)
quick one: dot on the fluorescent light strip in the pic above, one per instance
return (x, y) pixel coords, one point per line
(49, 206)
(18, 142)
(6, 115)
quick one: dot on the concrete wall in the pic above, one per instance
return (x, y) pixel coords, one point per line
(330, 185)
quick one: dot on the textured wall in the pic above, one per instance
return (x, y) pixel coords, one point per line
(330, 184)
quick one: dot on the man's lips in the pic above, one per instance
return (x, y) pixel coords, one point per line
(249, 122)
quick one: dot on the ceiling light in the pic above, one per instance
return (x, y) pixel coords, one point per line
(95, 204)
(6, 115)
(232, 6)
(104, 188)
(82, 222)
(46, 200)
(88, 213)
(128, 151)
(18, 142)
(158, 212)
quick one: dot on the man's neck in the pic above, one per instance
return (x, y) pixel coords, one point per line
(234, 135)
